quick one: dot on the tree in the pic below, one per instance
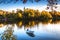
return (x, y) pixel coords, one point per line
(52, 4)
(45, 14)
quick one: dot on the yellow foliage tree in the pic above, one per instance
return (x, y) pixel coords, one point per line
(46, 14)
(20, 15)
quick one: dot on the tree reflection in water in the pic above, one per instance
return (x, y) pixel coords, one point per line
(8, 33)
(31, 24)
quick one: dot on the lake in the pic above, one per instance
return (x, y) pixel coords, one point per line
(31, 30)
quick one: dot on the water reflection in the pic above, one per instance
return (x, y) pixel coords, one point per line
(8, 33)
(30, 24)
(30, 33)
(30, 30)
(55, 21)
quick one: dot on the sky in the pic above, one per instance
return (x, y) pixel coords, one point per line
(41, 5)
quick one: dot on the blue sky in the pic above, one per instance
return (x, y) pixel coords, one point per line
(19, 5)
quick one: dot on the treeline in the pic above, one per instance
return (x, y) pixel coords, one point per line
(29, 14)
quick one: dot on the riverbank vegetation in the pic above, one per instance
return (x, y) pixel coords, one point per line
(28, 14)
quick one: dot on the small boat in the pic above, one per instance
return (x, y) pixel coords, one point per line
(30, 33)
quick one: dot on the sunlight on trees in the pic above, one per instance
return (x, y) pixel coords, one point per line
(20, 15)
(46, 14)
(29, 14)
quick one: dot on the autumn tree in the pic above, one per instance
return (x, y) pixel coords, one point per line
(45, 14)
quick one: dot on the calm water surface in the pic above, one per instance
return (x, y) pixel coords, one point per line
(41, 31)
